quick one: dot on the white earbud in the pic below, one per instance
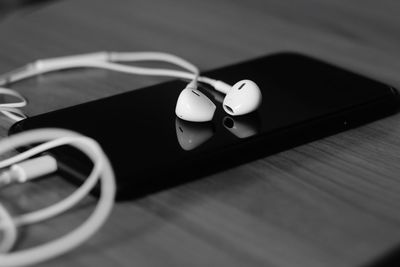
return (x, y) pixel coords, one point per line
(244, 97)
(193, 105)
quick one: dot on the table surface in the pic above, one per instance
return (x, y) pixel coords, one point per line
(333, 202)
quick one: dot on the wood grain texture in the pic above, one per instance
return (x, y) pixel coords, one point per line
(333, 202)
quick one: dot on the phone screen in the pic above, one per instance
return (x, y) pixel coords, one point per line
(150, 148)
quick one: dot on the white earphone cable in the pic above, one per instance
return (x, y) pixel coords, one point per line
(102, 60)
(9, 229)
(79, 61)
(102, 169)
(69, 201)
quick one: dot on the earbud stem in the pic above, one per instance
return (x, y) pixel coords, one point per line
(192, 85)
(222, 87)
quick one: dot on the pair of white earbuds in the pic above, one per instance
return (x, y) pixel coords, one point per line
(242, 98)
(192, 105)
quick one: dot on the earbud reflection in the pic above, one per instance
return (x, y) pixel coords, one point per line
(243, 126)
(191, 135)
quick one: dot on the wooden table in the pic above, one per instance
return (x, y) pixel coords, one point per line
(333, 202)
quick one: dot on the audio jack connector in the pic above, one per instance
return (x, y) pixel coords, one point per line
(28, 170)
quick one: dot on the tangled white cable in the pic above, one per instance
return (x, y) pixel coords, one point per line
(102, 170)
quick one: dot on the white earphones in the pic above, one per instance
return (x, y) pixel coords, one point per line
(242, 98)
(192, 105)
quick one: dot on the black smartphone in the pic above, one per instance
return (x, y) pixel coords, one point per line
(151, 149)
